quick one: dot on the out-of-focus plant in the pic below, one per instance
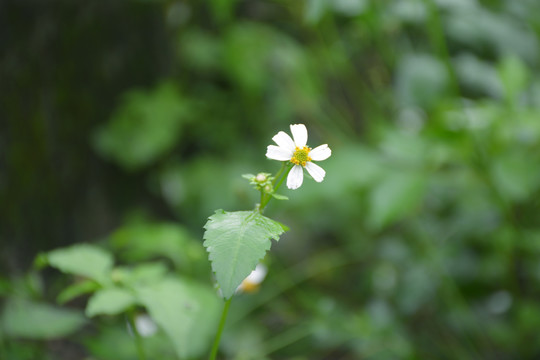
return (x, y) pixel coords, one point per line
(185, 309)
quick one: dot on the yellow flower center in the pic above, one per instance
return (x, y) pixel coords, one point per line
(301, 156)
(249, 287)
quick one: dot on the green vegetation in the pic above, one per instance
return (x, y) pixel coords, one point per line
(126, 125)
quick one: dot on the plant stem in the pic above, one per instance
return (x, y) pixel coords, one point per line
(138, 338)
(285, 165)
(215, 347)
(266, 197)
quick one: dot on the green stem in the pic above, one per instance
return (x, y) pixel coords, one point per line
(138, 338)
(280, 176)
(283, 177)
(215, 347)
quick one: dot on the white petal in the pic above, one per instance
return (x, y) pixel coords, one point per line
(315, 171)
(320, 153)
(299, 133)
(295, 178)
(257, 276)
(277, 153)
(284, 141)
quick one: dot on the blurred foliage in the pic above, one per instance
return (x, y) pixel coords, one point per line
(30, 320)
(127, 124)
(187, 312)
(144, 127)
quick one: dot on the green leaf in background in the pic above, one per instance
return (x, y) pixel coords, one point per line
(395, 196)
(421, 80)
(314, 11)
(236, 242)
(477, 76)
(110, 301)
(480, 29)
(512, 175)
(514, 76)
(111, 341)
(223, 10)
(145, 274)
(84, 260)
(77, 289)
(247, 54)
(200, 49)
(144, 127)
(143, 241)
(32, 320)
(187, 312)
(349, 7)
(408, 12)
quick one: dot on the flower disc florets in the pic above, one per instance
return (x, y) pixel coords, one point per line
(301, 156)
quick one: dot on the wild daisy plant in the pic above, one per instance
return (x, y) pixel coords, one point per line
(237, 241)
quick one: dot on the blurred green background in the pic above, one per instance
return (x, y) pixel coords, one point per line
(126, 124)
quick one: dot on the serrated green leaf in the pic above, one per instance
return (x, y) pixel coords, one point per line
(187, 312)
(111, 301)
(77, 289)
(236, 242)
(283, 226)
(84, 260)
(32, 320)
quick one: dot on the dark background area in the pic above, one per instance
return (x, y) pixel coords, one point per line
(64, 67)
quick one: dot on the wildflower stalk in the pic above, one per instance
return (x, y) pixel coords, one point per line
(215, 346)
(283, 167)
(295, 156)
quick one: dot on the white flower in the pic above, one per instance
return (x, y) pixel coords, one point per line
(145, 325)
(299, 154)
(252, 282)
